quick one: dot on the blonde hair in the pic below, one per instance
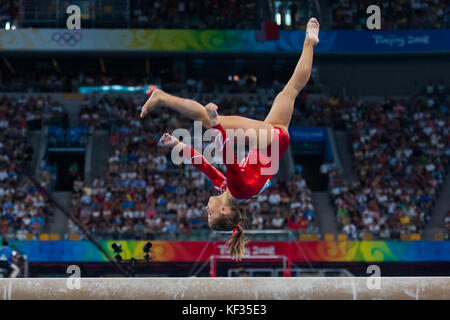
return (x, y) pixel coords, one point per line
(228, 222)
(236, 243)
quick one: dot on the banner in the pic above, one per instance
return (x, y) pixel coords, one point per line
(190, 251)
(118, 88)
(331, 41)
(308, 134)
(312, 134)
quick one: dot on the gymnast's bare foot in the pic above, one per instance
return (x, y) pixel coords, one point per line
(312, 32)
(211, 109)
(154, 101)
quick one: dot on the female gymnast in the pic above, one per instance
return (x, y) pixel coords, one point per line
(243, 180)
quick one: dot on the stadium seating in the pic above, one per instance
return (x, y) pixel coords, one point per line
(191, 14)
(24, 208)
(400, 152)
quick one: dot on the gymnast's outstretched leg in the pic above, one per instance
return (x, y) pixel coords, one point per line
(281, 112)
(196, 111)
(187, 107)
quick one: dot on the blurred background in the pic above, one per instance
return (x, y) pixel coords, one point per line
(365, 180)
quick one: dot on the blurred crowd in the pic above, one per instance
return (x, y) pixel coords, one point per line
(31, 81)
(191, 14)
(9, 11)
(403, 14)
(231, 14)
(24, 208)
(144, 194)
(47, 81)
(401, 150)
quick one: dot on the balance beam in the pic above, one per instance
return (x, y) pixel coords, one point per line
(302, 288)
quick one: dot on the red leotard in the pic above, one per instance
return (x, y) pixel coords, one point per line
(245, 179)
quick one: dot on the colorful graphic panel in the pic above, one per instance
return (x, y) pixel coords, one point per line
(221, 40)
(172, 251)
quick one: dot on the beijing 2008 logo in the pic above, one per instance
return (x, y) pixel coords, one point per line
(66, 38)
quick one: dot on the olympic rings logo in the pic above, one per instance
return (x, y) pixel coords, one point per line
(67, 38)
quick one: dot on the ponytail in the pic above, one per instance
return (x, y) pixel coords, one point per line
(236, 243)
(227, 222)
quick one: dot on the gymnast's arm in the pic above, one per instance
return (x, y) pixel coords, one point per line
(216, 177)
(222, 142)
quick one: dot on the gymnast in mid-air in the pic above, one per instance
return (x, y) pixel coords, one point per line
(246, 179)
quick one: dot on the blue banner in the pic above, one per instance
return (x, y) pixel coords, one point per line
(312, 134)
(385, 41)
(308, 134)
(334, 41)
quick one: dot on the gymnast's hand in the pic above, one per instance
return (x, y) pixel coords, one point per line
(211, 110)
(168, 141)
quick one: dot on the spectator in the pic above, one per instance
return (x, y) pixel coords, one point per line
(324, 170)
(278, 221)
(297, 222)
(350, 230)
(6, 254)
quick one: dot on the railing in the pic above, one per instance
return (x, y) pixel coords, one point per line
(294, 272)
(202, 234)
(314, 272)
(259, 235)
(208, 235)
(263, 258)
